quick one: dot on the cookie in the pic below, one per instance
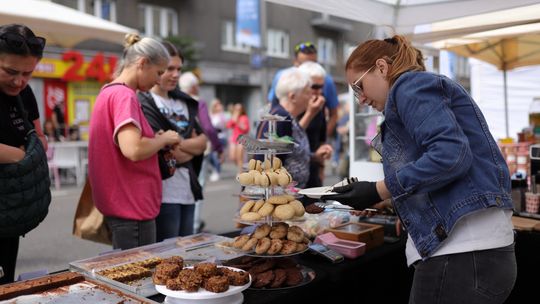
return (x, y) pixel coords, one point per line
(251, 216)
(295, 234)
(284, 212)
(240, 241)
(264, 180)
(252, 164)
(275, 247)
(277, 200)
(284, 178)
(262, 246)
(266, 209)
(258, 205)
(258, 165)
(298, 207)
(247, 207)
(266, 165)
(261, 231)
(250, 244)
(245, 179)
(276, 163)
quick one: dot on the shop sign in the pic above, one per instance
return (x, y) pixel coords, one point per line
(72, 67)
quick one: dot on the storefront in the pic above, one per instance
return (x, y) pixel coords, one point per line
(67, 84)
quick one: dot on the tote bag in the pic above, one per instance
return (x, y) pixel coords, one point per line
(89, 223)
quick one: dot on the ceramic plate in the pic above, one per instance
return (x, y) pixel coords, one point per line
(317, 192)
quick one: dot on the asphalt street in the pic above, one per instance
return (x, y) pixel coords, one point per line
(51, 246)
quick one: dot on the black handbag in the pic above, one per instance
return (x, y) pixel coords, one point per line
(25, 186)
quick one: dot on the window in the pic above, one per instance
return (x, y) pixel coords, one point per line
(326, 51)
(157, 21)
(105, 9)
(278, 43)
(228, 39)
(347, 50)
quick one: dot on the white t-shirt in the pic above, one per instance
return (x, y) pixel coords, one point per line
(485, 229)
(176, 189)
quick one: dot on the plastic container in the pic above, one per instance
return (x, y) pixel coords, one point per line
(349, 249)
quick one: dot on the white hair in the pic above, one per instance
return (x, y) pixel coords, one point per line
(188, 81)
(313, 69)
(291, 80)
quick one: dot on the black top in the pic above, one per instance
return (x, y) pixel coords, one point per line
(12, 126)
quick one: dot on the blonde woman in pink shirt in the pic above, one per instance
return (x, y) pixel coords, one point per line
(122, 150)
(239, 123)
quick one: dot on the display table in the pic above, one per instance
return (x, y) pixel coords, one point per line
(381, 274)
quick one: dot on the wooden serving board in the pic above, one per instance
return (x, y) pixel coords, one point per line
(525, 224)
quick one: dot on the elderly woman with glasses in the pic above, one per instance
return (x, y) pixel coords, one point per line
(444, 172)
(25, 199)
(294, 93)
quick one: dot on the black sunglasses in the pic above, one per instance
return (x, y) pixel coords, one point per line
(17, 42)
(305, 47)
(317, 86)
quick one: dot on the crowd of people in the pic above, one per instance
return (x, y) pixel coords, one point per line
(446, 178)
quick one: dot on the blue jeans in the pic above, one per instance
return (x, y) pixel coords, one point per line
(128, 234)
(479, 277)
(174, 220)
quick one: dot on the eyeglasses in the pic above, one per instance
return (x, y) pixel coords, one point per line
(359, 89)
(17, 42)
(305, 47)
(317, 86)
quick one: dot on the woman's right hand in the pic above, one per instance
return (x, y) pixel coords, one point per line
(169, 137)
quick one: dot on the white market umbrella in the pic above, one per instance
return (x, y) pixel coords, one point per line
(61, 25)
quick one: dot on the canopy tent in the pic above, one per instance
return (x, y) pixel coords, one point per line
(61, 25)
(403, 15)
(507, 39)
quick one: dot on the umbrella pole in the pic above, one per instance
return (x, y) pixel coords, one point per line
(505, 88)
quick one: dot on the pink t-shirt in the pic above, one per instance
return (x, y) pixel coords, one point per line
(121, 188)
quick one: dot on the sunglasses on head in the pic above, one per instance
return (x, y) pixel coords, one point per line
(17, 43)
(317, 86)
(305, 46)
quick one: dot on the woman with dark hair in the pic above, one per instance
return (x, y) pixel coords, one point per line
(444, 172)
(167, 108)
(20, 128)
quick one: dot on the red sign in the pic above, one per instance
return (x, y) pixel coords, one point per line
(100, 67)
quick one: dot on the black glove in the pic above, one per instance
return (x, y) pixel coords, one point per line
(359, 195)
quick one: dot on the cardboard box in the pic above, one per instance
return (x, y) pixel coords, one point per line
(371, 234)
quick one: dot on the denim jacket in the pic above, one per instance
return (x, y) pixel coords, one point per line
(440, 160)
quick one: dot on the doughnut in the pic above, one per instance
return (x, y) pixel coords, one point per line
(275, 247)
(298, 207)
(245, 179)
(266, 209)
(250, 216)
(263, 245)
(279, 231)
(284, 212)
(261, 231)
(252, 164)
(277, 200)
(288, 247)
(258, 205)
(246, 207)
(248, 246)
(240, 240)
(295, 234)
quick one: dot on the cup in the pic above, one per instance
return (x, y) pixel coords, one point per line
(532, 202)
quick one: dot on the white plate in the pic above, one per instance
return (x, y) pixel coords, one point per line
(203, 293)
(317, 192)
